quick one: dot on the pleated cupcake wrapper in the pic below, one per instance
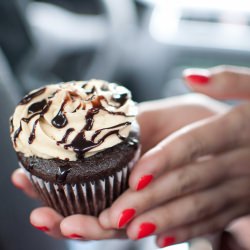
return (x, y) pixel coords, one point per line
(83, 198)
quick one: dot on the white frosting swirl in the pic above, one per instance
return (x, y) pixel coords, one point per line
(36, 132)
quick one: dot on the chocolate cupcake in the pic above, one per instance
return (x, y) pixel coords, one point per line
(77, 142)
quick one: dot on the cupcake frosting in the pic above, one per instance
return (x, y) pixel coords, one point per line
(72, 120)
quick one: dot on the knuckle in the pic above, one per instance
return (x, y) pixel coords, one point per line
(195, 147)
(240, 125)
(186, 182)
(203, 209)
(167, 218)
(189, 147)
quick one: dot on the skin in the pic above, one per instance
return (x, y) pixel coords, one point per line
(197, 157)
(195, 166)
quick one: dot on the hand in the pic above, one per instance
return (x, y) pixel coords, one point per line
(189, 108)
(80, 227)
(201, 174)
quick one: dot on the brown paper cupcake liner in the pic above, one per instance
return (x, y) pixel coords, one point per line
(89, 198)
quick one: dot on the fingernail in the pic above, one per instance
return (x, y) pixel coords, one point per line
(144, 181)
(44, 229)
(197, 76)
(168, 241)
(75, 236)
(125, 217)
(146, 229)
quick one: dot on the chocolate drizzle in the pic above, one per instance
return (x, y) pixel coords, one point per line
(11, 125)
(97, 132)
(31, 96)
(90, 91)
(60, 120)
(79, 144)
(32, 134)
(121, 98)
(97, 104)
(17, 132)
(65, 137)
(37, 106)
(41, 113)
(27, 120)
(90, 118)
(62, 173)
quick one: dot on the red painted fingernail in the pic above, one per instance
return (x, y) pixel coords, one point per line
(198, 76)
(146, 229)
(144, 181)
(75, 236)
(125, 217)
(168, 241)
(44, 229)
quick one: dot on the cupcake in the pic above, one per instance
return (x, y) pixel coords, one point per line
(77, 142)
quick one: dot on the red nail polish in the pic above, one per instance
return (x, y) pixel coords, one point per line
(198, 79)
(144, 181)
(125, 217)
(44, 229)
(146, 229)
(75, 236)
(168, 241)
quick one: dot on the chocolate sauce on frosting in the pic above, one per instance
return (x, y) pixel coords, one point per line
(32, 134)
(74, 99)
(81, 145)
(11, 125)
(16, 134)
(90, 91)
(60, 120)
(37, 106)
(66, 135)
(121, 98)
(31, 96)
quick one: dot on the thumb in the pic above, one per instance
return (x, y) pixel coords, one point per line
(221, 82)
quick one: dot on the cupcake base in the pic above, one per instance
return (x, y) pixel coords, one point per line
(90, 197)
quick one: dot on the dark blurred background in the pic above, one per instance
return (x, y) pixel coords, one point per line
(143, 44)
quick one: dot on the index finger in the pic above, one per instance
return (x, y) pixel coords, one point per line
(206, 137)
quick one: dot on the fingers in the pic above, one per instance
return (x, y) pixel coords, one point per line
(21, 181)
(80, 227)
(180, 182)
(203, 227)
(167, 187)
(191, 208)
(87, 228)
(223, 82)
(47, 220)
(209, 136)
